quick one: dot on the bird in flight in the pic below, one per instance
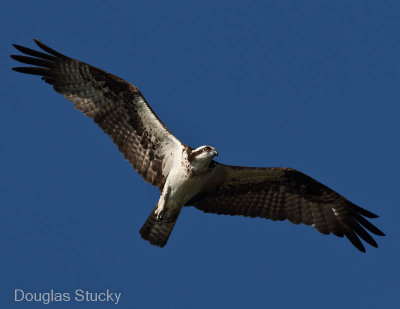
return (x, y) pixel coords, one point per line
(191, 177)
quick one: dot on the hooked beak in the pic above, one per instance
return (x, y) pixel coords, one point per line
(215, 153)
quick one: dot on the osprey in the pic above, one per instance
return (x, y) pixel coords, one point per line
(187, 176)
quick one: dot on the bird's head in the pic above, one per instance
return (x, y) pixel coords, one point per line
(203, 155)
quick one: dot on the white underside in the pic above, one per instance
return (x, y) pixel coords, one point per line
(179, 187)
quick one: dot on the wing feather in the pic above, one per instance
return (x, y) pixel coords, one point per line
(115, 105)
(285, 193)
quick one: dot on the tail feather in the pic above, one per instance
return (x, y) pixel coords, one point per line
(157, 232)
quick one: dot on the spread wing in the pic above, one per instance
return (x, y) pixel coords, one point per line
(115, 105)
(285, 193)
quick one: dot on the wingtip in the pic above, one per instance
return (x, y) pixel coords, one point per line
(362, 249)
(362, 211)
(21, 69)
(38, 43)
(19, 47)
(15, 57)
(49, 49)
(378, 232)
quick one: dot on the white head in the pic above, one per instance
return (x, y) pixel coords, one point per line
(202, 156)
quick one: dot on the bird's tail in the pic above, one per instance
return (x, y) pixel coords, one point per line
(157, 231)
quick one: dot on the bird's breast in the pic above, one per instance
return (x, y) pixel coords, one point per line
(184, 184)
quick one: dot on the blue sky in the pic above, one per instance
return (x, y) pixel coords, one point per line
(312, 85)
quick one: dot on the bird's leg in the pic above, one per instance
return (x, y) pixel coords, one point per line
(161, 210)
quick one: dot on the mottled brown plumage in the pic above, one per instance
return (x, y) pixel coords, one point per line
(285, 193)
(114, 104)
(187, 176)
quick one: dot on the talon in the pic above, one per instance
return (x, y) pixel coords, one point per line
(160, 214)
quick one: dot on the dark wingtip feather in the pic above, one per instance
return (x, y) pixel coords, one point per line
(19, 47)
(18, 69)
(379, 232)
(30, 60)
(363, 211)
(368, 225)
(356, 243)
(363, 233)
(35, 53)
(362, 249)
(49, 50)
(32, 70)
(348, 232)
